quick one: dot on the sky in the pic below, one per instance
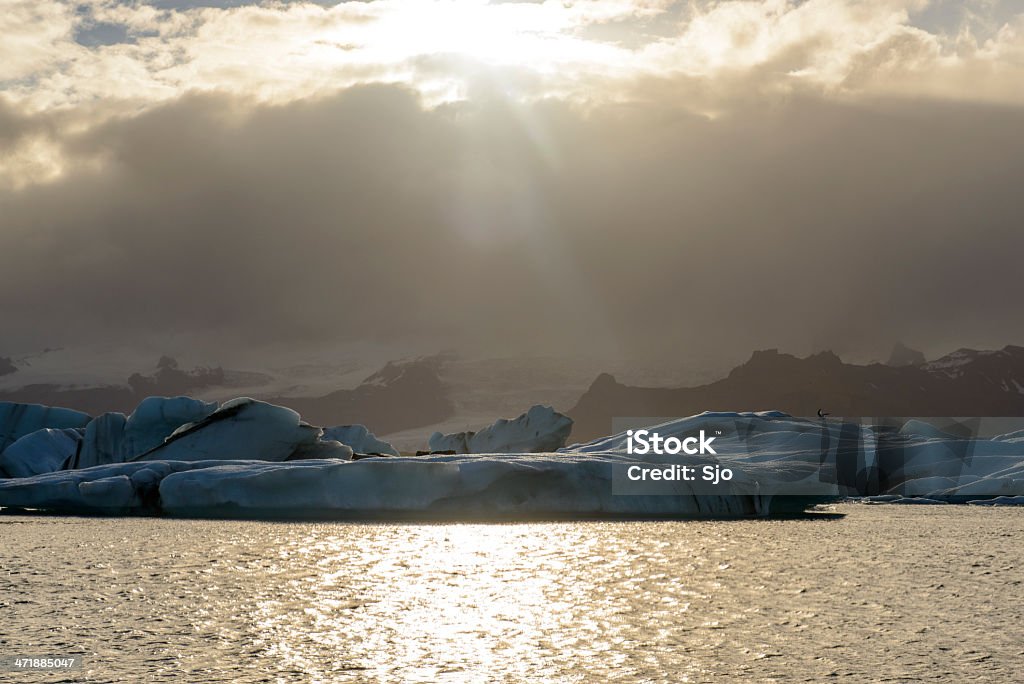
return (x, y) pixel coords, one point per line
(621, 179)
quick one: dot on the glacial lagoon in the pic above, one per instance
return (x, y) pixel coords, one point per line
(864, 592)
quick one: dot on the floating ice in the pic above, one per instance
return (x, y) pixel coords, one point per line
(517, 486)
(999, 501)
(180, 428)
(155, 418)
(42, 451)
(115, 489)
(103, 442)
(18, 420)
(321, 449)
(360, 439)
(240, 429)
(115, 438)
(793, 455)
(538, 430)
(504, 486)
(456, 442)
(1017, 436)
(780, 464)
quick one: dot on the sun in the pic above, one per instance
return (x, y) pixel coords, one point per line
(532, 35)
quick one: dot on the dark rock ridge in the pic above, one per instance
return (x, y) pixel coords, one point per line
(400, 396)
(965, 383)
(168, 381)
(902, 355)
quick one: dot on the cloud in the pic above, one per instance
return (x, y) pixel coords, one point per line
(498, 225)
(742, 174)
(284, 51)
(717, 55)
(34, 37)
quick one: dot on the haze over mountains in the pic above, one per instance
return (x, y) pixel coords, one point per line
(401, 395)
(407, 400)
(966, 382)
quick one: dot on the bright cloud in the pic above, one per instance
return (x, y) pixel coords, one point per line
(712, 54)
(283, 51)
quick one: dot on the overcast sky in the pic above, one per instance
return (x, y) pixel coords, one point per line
(626, 179)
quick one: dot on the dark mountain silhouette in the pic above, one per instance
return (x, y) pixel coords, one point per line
(168, 380)
(965, 383)
(400, 396)
(902, 355)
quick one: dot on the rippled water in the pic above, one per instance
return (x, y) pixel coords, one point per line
(882, 593)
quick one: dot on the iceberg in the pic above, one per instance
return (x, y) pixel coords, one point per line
(361, 440)
(102, 442)
(522, 486)
(242, 428)
(322, 449)
(455, 442)
(114, 489)
(517, 486)
(155, 418)
(999, 501)
(178, 428)
(18, 420)
(250, 459)
(1016, 436)
(42, 451)
(798, 455)
(116, 438)
(540, 429)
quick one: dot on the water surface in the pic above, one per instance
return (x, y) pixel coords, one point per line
(882, 593)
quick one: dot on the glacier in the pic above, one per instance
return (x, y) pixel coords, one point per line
(250, 459)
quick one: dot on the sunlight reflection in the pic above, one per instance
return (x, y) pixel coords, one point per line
(435, 602)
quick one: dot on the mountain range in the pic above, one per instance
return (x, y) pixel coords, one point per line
(964, 383)
(411, 398)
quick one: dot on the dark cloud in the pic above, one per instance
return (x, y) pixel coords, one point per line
(633, 230)
(14, 126)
